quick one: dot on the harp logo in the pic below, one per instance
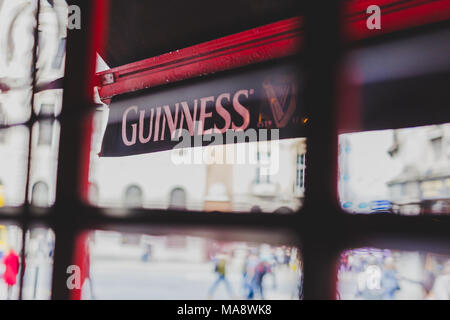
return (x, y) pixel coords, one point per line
(281, 92)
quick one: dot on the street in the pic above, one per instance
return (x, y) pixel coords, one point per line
(175, 280)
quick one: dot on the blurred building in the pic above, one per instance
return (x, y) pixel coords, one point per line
(424, 184)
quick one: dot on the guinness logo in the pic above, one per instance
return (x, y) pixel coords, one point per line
(281, 92)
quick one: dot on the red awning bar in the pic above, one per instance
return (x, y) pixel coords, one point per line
(272, 41)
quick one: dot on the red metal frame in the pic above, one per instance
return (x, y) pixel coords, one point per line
(276, 40)
(272, 41)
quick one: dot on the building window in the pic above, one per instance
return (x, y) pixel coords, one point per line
(397, 191)
(262, 171)
(284, 210)
(300, 173)
(45, 135)
(133, 197)
(256, 209)
(40, 194)
(436, 145)
(47, 109)
(432, 188)
(177, 199)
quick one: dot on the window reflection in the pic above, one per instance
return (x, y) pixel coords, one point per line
(133, 197)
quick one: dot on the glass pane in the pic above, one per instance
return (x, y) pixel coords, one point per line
(373, 274)
(166, 141)
(13, 165)
(126, 266)
(17, 24)
(405, 171)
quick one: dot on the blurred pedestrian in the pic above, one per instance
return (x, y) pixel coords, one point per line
(147, 255)
(220, 270)
(272, 265)
(245, 275)
(345, 262)
(389, 280)
(248, 273)
(287, 257)
(262, 268)
(441, 287)
(11, 262)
